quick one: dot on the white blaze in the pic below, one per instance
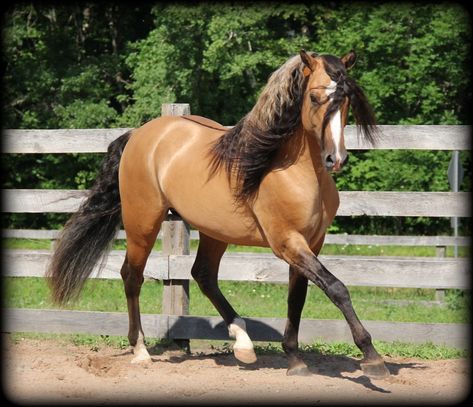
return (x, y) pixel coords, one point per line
(336, 130)
(335, 122)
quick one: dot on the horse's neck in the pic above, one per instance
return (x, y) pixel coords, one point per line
(302, 149)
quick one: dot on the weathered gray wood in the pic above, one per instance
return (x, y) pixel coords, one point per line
(29, 234)
(33, 263)
(416, 272)
(42, 200)
(176, 291)
(272, 329)
(53, 234)
(416, 137)
(413, 137)
(175, 109)
(441, 252)
(352, 203)
(421, 272)
(59, 140)
(387, 240)
(338, 239)
(433, 204)
(196, 327)
(83, 322)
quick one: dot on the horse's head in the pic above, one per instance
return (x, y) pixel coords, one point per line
(327, 99)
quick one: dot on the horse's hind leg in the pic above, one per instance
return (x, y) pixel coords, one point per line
(297, 292)
(140, 241)
(205, 272)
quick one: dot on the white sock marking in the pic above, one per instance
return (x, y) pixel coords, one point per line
(237, 330)
(140, 351)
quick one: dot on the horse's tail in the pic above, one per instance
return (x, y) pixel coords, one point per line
(88, 234)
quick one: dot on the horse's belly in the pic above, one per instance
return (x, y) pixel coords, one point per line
(214, 216)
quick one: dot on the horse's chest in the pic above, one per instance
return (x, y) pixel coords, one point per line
(291, 202)
(320, 215)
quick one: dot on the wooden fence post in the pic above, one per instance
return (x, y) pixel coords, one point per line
(440, 251)
(176, 240)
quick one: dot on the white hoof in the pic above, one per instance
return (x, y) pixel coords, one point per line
(245, 355)
(141, 356)
(243, 348)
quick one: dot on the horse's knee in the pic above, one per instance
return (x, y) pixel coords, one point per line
(338, 292)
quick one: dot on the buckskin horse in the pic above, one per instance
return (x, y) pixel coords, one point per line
(265, 182)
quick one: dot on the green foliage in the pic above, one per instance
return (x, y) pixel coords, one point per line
(106, 65)
(427, 350)
(253, 300)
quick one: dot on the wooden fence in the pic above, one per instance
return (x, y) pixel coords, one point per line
(173, 264)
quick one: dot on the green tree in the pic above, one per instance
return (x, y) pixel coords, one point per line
(90, 65)
(64, 69)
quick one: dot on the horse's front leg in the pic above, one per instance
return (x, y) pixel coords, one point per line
(301, 258)
(295, 302)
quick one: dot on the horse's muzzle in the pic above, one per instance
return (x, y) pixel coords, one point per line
(335, 163)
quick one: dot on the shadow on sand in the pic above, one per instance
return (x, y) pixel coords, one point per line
(333, 366)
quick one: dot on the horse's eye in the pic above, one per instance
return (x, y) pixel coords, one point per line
(313, 99)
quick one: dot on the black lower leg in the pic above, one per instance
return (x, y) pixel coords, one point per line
(295, 302)
(339, 295)
(372, 364)
(205, 272)
(132, 281)
(209, 287)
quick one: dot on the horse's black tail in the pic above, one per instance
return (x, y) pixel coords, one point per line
(88, 234)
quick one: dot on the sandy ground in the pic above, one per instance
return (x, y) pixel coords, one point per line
(47, 371)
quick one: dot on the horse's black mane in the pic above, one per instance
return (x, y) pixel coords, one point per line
(346, 86)
(249, 148)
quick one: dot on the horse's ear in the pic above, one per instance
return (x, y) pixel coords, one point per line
(349, 59)
(308, 61)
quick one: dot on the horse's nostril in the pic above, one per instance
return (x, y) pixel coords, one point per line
(329, 162)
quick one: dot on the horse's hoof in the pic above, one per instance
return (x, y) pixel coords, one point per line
(375, 370)
(245, 355)
(300, 370)
(141, 360)
(141, 356)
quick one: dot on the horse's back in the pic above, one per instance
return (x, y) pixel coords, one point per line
(171, 157)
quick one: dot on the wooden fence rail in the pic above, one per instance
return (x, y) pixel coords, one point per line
(394, 137)
(352, 203)
(370, 271)
(173, 265)
(339, 239)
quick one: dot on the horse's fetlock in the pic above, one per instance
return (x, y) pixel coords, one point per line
(363, 340)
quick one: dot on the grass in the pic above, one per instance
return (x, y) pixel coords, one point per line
(252, 299)
(328, 249)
